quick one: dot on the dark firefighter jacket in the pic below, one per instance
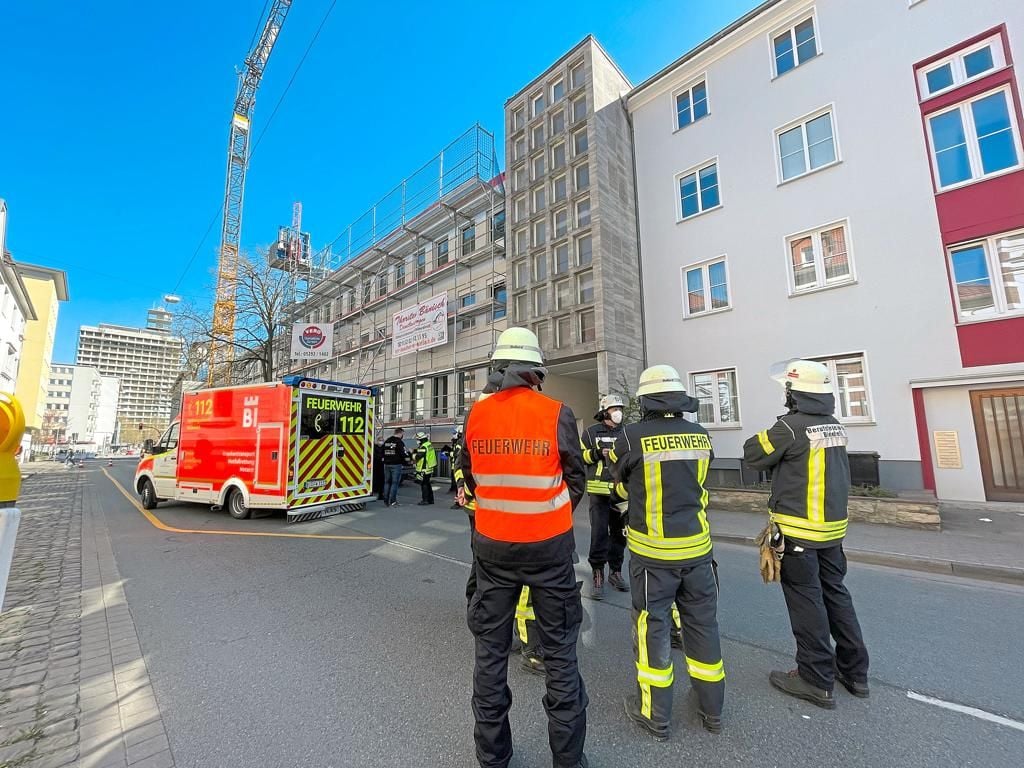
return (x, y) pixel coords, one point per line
(599, 470)
(661, 465)
(806, 451)
(559, 548)
(394, 450)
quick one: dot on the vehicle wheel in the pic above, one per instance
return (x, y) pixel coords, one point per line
(148, 493)
(236, 505)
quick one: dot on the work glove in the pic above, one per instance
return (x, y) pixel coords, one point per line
(770, 545)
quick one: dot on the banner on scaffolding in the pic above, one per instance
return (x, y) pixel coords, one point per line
(420, 327)
(312, 341)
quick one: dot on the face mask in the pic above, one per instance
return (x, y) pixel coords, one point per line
(616, 417)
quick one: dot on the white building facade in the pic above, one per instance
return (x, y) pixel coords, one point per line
(843, 181)
(106, 433)
(15, 311)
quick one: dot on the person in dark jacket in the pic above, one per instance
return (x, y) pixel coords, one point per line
(521, 464)
(378, 468)
(452, 451)
(660, 468)
(395, 457)
(806, 451)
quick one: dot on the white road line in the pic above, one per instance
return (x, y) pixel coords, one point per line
(427, 552)
(981, 714)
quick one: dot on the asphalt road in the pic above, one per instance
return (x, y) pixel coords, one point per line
(333, 653)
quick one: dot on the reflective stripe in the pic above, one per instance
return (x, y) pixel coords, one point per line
(682, 455)
(639, 547)
(645, 688)
(702, 476)
(612, 455)
(677, 620)
(766, 444)
(459, 475)
(620, 489)
(801, 528)
(538, 507)
(519, 481)
(599, 487)
(710, 673)
(660, 678)
(816, 485)
(652, 487)
(524, 613)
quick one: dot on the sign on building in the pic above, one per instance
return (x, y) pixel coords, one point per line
(312, 341)
(420, 327)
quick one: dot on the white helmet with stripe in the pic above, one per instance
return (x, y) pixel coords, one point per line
(518, 345)
(658, 379)
(803, 376)
(611, 401)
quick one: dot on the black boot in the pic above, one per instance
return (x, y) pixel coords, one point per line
(860, 690)
(791, 683)
(533, 662)
(711, 723)
(597, 586)
(617, 582)
(632, 707)
(677, 639)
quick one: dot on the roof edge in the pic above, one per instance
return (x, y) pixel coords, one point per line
(39, 272)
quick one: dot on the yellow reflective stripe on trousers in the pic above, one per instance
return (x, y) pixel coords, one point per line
(524, 613)
(709, 673)
(653, 489)
(801, 528)
(816, 485)
(766, 444)
(542, 482)
(677, 619)
(659, 678)
(641, 644)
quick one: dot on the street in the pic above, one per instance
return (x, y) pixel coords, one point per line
(338, 652)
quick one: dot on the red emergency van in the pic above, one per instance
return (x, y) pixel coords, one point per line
(301, 445)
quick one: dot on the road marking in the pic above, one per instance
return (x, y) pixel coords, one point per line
(158, 523)
(981, 714)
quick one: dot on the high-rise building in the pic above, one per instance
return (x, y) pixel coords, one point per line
(146, 362)
(57, 406)
(106, 414)
(573, 260)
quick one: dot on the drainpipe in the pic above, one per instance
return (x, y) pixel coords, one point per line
(639, 254)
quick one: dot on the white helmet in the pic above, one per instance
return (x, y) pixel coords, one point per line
(611, 401)
(659, 378)
(422, 436)
(518, 345)
(803, 376)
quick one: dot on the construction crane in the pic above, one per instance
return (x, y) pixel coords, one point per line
(222, 347)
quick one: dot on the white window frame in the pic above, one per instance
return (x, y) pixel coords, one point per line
(534, 112)
(535, 295)
(956, 60)
(716, 403)
(576, 152)
(578, 287)
(552, 132)
(801, 122)
(995, 277)
(570, 299)
(539, 226)
(565, 156)
(696, 169)
(790, 26)
(581, 67)
(820, 281)
(555, 235)
(702, 78)
(518, 121)
(518, 148)
(564, 178)
(579, 325)
(521, 173)
(551, 91)
(534, 142)
(573, 118)
(971, 132)
(576, 212)
(704, 266)
(831, 361)
(521, 209)
(543, 203)
(575, 176)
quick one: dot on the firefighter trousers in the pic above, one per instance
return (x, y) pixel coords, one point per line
(607, 539)
(491, 615)
(426, 489)
(654, 591)
(821, 609)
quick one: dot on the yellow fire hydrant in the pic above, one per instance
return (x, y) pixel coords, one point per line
(12, 427)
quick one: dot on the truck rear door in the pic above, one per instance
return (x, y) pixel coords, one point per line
(331, 455)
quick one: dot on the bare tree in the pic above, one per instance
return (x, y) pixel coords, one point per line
(261, 311)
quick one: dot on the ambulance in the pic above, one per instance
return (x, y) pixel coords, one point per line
(301, 445)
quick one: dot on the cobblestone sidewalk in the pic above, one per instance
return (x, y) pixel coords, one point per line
(74, 688)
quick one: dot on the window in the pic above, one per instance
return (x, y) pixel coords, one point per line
(367, 292)
(978, 295)
(583, 212)
(538, 104)
(563, 294)
(382, 284)
(576, 75)
(580, 142)
(394, 400)
(467, 300)
(962, 67)
(974, 139)
(706, 287)
(466, 388)
(519, 179)
(691, 104)
(794, 46)
(850, 386)
(499, 295)
(558, 156)
(819, 258)
(584, 251)
(557, 90)
(579, 108)
(581, 176)
(587, 326)
(418, 402)
(400, 275)
(538, 167)
(521, 209)
(543, 332)
(421, 263)
(442, 252)
(540, 233)
(540, 301)
(539, 199)
(468, 240)
(467, 323)
(520, 274)
(558, 189)
(557, 122)
(806, 147)
(439, 396)
(585, 287)
(522, 241)
(561, 223)
(698, 191)
(538, 137)
(498, 226)
(718, 397)
(521, 307)
(519, 149)
(563, 332)
(518, 119)
(540, 267)
(562, 259)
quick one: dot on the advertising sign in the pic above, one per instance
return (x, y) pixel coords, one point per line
(312, 341)
(420, 327)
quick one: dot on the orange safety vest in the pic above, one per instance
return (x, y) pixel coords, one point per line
(512, 441)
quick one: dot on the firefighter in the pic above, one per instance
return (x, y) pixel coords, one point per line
(521, 463)
(660, 467)
(425, 462)
(806, 451)
(395, 458)
(607, 541)
(453, 450)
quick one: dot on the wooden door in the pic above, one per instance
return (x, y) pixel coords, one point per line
(999, 424)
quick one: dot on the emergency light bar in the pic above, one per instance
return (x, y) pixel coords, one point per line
(328, 386)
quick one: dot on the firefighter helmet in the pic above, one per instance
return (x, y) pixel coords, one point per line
(659, 378)
(803, 376)
(422, 436)
(518, 345)
(611, 401)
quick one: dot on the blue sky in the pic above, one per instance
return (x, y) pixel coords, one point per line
(114, 120)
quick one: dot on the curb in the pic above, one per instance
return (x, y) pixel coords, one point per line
(999, 573)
